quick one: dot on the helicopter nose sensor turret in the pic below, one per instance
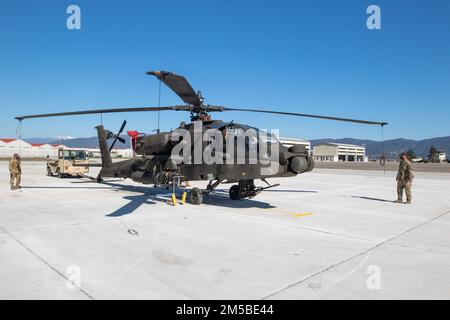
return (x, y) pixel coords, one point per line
(299, 161)
(300, 164)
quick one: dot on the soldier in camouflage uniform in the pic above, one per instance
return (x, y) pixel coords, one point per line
(405, 178)
(15, 172)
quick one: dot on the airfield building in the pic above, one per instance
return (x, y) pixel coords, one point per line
(441, 155)
(289, 142)
(42, 151)
(27, 150)
(10, 146)
(338, 152)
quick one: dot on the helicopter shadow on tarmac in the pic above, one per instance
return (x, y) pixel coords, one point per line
(221, 198)
(152, 195)
(134, 203)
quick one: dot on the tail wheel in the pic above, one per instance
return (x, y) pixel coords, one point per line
(235, 192)
(49, 172)
(195, 196)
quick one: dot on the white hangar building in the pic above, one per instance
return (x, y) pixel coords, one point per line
(44, 150)
(36, 150)
(289, 142)
(336, 152)
(10, 146)
(27, 150)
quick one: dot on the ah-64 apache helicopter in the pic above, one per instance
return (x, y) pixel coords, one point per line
(154, 163)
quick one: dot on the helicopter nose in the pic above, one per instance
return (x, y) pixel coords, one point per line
(300, 164)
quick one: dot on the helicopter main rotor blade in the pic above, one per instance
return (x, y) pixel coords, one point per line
(179, 85)
(304, 115)
(101, 111)
(208, 108)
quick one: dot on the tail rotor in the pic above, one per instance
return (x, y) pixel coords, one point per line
(110, 135)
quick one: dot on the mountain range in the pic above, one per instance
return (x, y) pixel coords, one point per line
(91, 142)
(392, 148)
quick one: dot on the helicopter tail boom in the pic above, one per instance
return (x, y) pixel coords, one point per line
(104, 149)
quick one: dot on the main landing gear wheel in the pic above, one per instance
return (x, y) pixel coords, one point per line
(246, 189)
(195, 196)
(234, 192)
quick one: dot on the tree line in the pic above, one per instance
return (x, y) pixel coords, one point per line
(432, 155)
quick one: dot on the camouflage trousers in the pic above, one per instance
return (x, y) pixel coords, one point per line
(406, 185)
(15, 179)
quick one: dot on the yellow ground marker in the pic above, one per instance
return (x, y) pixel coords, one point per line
(305, 214)
(174, 199)
(294, 214)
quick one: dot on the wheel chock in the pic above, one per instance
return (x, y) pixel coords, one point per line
(174, 199)
(183, 198)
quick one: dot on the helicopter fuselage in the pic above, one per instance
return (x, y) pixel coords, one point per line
(156, 162)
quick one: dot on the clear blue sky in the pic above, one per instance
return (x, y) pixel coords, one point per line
(299, 56)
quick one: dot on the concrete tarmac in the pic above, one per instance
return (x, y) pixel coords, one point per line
(389, 166)
(328, 234)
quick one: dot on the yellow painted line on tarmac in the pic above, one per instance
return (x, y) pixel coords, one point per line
(294, 214)
(298, 215)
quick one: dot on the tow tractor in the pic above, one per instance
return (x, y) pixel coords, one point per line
(70, 162)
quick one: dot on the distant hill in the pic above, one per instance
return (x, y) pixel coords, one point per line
(91, 142)
(392, 148)
(39, 140)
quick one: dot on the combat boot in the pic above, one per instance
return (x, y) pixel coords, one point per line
(398, 201)
(407, 202)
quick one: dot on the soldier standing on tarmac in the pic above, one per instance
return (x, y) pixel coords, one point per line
(15, 172)
(405, 178)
